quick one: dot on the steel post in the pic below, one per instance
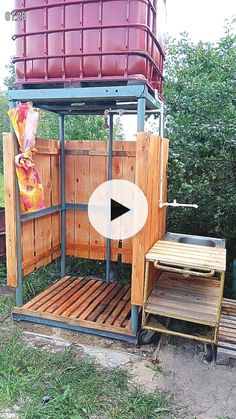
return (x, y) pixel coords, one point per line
(134, 318)
(19, 288)
(141, 114)
(109, 172)
(63, 206)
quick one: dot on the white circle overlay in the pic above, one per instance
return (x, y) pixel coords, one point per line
(126, 194)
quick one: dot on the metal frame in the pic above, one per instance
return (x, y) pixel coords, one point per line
(64, 325)
(160, 328)
(135, 99)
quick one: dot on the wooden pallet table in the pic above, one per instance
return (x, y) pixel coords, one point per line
(189, 288)
(226, 347)
(80, 302)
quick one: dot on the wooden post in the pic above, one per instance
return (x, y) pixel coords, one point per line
(147, 177)
(10, 208)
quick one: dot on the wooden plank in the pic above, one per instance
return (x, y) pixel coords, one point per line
(227, 316)
(230, 310)
(128, 174)
(226, 331)
(226, 338)
(187, 285)
(75, 322)
(56, 225)
(180, 313)
(10, 208)
(43, 294)
(186, 261)
(199, 280)
(228, 323)
(70, 196)
(47, 299)
(88, 303)
(82, 193)
(106, 313)
(191, 247)
(77, 285)
(227, 345)
(29, 264)
(104, 303)
(39, 222)
(161, 247)
(125, 312)
(91, 287)
(139, 242)
(97, 175)
(190, 304)
(147, 156)
(58, 295)
(27, 242)
(121, 304)
(117, 173)
(229, 301)
(93, 304)
(162, 211)
(178, 295)
(75, 297)
(47, 219)
(96, 248)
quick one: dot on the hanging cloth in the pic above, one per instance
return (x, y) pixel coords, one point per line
(24, 119)
(30, 186)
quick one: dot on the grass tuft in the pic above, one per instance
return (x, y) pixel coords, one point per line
(58, 385)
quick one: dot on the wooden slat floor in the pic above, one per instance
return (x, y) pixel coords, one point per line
(227, 330)
(85, 302)
(193, 299)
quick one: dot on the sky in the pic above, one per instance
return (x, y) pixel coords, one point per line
(203, 19)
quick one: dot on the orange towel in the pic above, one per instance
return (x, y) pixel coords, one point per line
(24, 119)
(31, 190)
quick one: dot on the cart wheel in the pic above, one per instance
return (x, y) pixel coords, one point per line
(142, 337)
(145, 337)
(209, 352)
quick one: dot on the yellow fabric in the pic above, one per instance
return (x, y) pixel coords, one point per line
(25, 121)
(31, 189)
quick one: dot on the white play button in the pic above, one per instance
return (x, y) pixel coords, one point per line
(117, 209)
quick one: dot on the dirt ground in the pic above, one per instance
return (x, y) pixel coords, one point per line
(197, 389)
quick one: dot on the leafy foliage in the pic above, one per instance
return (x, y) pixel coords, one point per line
(200, 96)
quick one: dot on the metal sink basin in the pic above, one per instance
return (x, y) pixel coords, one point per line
(200, 242)
(197, 240)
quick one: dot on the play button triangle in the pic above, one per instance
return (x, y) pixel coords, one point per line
(117, 209)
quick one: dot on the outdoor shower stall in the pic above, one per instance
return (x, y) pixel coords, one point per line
(70, 171)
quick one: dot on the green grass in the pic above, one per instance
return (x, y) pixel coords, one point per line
(76, 388)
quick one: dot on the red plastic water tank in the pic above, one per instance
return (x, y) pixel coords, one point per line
(89, 40)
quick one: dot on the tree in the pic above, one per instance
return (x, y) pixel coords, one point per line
(200, 90)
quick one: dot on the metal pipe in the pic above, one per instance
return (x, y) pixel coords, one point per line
(109, 177)
(161, 134)
(19, 288)
(141, 114)
(63, 206)
(176, 204)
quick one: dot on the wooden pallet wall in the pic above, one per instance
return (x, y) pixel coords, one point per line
(86, 168)
(148, 175)
(40, 238)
